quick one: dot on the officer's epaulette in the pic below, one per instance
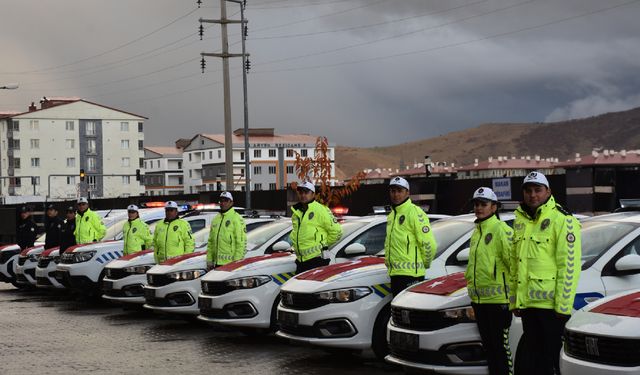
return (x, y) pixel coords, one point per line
(562, 210)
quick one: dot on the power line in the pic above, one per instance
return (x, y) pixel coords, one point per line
(253, 7)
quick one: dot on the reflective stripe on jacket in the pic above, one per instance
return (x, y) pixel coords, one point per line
(137, 236)
(89, 227)
(488, 273)
(171, 239)
(409, 245)
(313, 229)
(545, 259)
(227, 238)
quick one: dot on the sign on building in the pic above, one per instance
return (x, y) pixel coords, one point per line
(502, 188)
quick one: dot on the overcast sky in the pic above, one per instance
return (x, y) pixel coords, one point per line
(361, 72)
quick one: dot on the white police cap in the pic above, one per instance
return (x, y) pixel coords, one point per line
(307, 185)
(82, 200)
(171, 204)
(226, 194)
(536, 178)
(132, 207)
(399, 181)
(484, 193)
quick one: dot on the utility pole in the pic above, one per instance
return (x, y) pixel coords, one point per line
(225, 55)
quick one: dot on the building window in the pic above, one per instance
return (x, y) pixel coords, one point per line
(16, 163)
(35, 143)
(272, 153)
(16, 182)
(257, 153)
(90, 128)
(257, 170)
(180, 180)
(34, 125)
(126, 180)
(70, 144)
(15, 126)
(69, 125)
(272, 186)
(158, 163)
(272, 169)
(91, 163)
(220, 154)
(141, 163)
(303, 152)
(289, 169)
(242, 156)
(91, 146)
(189, 157)
(92, 181)
(140, 127)
(71, 162)
(257, 186)
(35, 162)
(36, 180)
(140, 145)
(15, 144)
(210, 154)
(289, 153)
(124, 144)
(124, 126)
(179, 165)
(71, 180)
(125, 162)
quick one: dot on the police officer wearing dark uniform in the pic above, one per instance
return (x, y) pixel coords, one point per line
(53, 227)
(27, 229)
(67, 238)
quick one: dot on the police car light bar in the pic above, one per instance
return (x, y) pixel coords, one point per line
(340, 210)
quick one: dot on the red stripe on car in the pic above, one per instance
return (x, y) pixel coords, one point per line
(628, 305)
(441, 286)
(323, 273)
(47, 252)
(135, 255)
(239, 263)
(180, 258)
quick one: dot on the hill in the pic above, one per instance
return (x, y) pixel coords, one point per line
(616, 130)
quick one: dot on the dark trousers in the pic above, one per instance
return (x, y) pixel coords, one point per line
(494, 321)
(310, 264)
(543, 330)
(400, 283)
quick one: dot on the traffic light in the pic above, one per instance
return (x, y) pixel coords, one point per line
(82, 174)
(137, 175)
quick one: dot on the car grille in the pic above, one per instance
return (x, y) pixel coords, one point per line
(215, 288)
(116, 273)
(301, 301)
(43, 262)
(22, 260)
(159, 280)
(419, 320)
(6, 255)
(605, 350)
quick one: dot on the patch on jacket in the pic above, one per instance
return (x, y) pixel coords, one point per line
(134, 230)
(175, 228)
(425, 229)
(86, 218)
(571, 238)
(227, 223)
(401, 220)
(488, 238)
(311, 216)
(545, 224)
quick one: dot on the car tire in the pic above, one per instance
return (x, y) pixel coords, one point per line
(379, 343)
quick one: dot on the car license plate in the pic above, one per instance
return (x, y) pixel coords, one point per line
(107, 285)
(204, 303)
(149, 293)
(404, 341)
(288, 318)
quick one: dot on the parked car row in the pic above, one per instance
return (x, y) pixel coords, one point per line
(348, 306)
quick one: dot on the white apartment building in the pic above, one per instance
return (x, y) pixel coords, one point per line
(163, 170)
(272, 160)
(44, 149)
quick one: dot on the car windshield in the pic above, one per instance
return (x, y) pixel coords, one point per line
(447, 232)
(264, 233)
(201, 237)
(599, 236)
(349, 227)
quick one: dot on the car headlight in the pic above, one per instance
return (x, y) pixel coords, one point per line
(343, 295)
(462, 314)
(248, 282)
(138, 270)
(187, 275)
(83, 256)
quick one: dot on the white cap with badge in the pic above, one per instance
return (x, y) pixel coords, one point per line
(132, 207)
(170, 204)
(307, 185)
(485, 194)
(399, 181)
(536, 178)
(227, 195)
(82, 200)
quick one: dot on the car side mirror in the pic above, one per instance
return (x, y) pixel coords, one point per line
(355, 249)
(281, 246)
(628, 263)
(463, 255)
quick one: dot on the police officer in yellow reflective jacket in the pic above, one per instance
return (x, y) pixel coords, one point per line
(136, 233)
(545, 264)
(89, 226)
(314, 229)
(409, 245)
(228, 235)
(172, 236)
(488, 278)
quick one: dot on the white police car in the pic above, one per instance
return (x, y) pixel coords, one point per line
(46, 269)
(8, 263)
(27, 262)
(432, 326)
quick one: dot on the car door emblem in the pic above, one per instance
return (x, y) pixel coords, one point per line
(406, 316)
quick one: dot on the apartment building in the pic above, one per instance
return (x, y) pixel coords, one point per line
(44, 149)
(163, 170)
(272, 160)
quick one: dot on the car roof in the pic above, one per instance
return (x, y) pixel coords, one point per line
(627, 216)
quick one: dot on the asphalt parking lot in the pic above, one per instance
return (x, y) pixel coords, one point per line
(44, 333)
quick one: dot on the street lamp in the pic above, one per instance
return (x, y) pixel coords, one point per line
(9, 86)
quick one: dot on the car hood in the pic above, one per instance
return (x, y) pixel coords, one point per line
(440, 293)
(135, 259)
(9, 247)
(96, 246)
(271, 264)
(197, 260)
(618, 317)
